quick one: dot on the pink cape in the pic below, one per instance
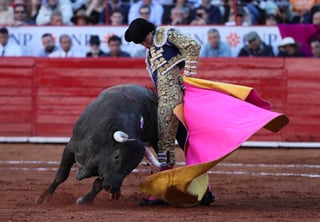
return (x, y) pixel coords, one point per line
(218, 118)
(218, 123)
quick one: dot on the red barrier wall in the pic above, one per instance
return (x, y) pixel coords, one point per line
(44, 97)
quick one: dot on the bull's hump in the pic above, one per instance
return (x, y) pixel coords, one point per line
(129, 92)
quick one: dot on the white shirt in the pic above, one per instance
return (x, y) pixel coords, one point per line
(156, 12)
(164, 2)
(45, 12)
(62, 54)
(10, 49)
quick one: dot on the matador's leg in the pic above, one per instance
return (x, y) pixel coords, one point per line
(170, 95)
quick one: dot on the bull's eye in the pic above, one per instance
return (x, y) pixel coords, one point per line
(116, 157)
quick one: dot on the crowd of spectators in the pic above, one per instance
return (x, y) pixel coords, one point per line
(161, 12)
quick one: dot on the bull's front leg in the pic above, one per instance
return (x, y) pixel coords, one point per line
(97, 186)
(62, 174)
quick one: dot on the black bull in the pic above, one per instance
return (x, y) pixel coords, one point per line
(109, 140)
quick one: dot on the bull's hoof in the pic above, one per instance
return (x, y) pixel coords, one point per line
(43, 198)
(207, 199)
(147, 202)
(83, 201)
(115, 195)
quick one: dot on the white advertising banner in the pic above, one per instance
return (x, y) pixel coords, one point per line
(29, 38)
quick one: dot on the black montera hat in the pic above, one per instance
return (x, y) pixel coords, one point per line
(138, 30)
(94, 40)
(251, 36)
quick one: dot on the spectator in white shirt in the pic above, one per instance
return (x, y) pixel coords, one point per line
(48, 45)
(144, 12)
(215, 47)
(77, 4)
(66, 50)
(47, 9)
(8, 47)
(56, 19)
(156, 11)
(6, 13)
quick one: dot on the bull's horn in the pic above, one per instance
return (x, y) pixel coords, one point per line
(121, 137)
(149, 155)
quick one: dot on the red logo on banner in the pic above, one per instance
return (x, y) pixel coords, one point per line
(233, 39)
(107, 37)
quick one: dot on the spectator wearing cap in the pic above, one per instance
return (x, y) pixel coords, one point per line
(80, 18)
(114, 44)
(215, 47)
(289, 48)
(255, 47)
(94, 45)
(7, 46)
(315, 47)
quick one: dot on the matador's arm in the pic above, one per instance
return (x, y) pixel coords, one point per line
(189, 47)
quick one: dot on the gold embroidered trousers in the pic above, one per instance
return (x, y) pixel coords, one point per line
(169, 96)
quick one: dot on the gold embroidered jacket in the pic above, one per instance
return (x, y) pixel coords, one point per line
(171, 48)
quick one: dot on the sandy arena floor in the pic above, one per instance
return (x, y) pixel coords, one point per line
(250, 185)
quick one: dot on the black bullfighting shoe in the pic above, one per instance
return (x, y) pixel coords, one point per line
(152, 201)
(207, 199)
